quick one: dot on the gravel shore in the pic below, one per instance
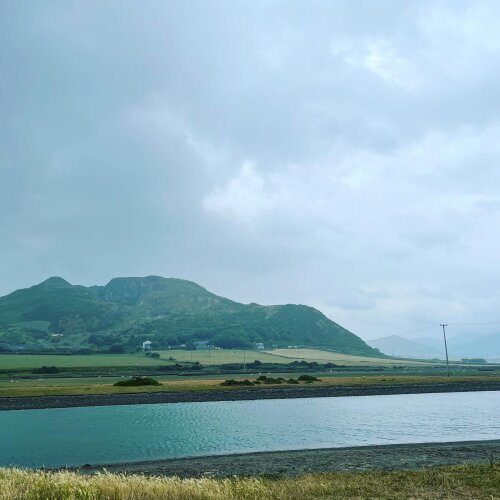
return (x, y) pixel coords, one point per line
(39, 402)
(292, 463)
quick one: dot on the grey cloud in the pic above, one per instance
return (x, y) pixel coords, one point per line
(339, 154)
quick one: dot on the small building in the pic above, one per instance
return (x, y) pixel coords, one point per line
(146, 346)
(259, 346)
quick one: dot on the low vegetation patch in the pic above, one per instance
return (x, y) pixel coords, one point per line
(137, 381)
(232, 382)
(270, 380)
(461, 482)
(308, 378)
(263, 379)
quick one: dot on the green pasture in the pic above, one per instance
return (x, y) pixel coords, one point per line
(205, 357)
(30, 361)
(223, 356)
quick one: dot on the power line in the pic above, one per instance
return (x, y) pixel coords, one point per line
(474, 324)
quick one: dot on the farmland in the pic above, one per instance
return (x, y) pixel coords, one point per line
(201, 370)
(224, 356)
(205, 357)
(30, 361)
(324, 356)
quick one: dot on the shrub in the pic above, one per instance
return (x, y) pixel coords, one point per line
(271, 380)
(308, 378)
(292, 381)
(137, 381)
(233, 382)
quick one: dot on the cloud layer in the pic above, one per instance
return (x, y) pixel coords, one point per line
(340, 154)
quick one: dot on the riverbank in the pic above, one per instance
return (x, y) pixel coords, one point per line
(69, 401)
(298, 462)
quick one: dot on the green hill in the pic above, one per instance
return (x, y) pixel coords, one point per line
(58, 316)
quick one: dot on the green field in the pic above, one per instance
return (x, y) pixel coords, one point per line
(30, 361)
(205, 357)
(216, 357)
(459, 482)
(223, 356)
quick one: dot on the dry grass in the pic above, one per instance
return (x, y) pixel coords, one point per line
(465, 482)
(74, 386)
(322, 356)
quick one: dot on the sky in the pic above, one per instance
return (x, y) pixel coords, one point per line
(339, 154)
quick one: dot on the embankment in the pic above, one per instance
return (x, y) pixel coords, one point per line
(40, 402)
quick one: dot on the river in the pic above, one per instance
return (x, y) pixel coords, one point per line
(93, 435)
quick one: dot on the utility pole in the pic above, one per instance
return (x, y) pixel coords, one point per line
(244, 360)
(446, 347)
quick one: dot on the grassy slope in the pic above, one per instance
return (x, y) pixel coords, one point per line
(167, 311)
(467, 481)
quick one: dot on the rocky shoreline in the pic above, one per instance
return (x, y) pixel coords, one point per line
(42, 402)
(296, 462)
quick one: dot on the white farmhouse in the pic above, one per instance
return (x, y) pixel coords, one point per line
(146, 346)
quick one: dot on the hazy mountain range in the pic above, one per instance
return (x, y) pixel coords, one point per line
(394, 345)
(459, 346)
(55, 315)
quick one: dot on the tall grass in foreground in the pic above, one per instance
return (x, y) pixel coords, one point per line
(472, 482)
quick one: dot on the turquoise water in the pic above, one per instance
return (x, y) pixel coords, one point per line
(77, 436)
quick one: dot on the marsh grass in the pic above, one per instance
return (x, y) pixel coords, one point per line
(471, 482)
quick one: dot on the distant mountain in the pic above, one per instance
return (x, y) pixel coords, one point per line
(487, 346)
(121, 315)
(465, 344)
(394, 345)
(463, 337)
(435, 342)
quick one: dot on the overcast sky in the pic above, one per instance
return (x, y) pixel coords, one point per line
(340, 154)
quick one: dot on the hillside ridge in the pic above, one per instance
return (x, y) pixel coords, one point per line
(56, 315)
